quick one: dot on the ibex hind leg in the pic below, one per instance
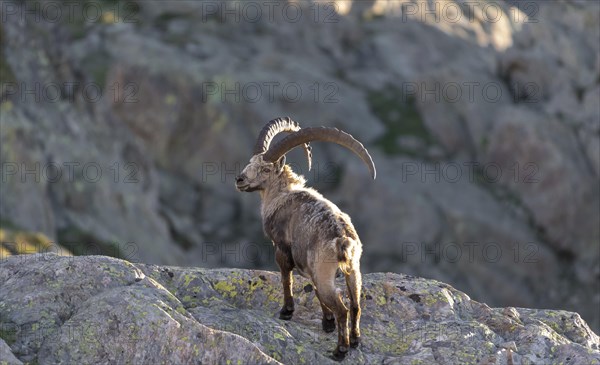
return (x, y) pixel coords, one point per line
(286, 265)
(330, 298)
(354, 283)
(328, 321)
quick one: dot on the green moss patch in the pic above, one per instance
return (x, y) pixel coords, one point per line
(84, 243)
(97, 64)
(400, 116)
(8, 334)
(6, 73)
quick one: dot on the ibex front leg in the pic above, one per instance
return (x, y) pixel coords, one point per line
(286, 265)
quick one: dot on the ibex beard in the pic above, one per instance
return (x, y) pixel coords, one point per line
(309, 233)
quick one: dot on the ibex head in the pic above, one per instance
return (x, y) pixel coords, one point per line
(267, 162)
(258, 174)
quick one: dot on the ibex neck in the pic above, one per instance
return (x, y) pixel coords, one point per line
(274, 189)
(286, 182)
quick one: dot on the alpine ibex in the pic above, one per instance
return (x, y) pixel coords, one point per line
(310, 233)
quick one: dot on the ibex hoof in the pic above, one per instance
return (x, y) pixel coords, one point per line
(328, 325)
(354, 341)
(286, 314)
(340, 353)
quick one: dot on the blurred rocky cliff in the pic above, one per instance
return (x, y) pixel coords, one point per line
(123, 125)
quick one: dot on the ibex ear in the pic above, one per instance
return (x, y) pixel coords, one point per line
(280, 163)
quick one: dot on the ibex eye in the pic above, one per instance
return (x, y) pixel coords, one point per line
(266, 169)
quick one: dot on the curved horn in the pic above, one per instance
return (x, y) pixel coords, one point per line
(320, 134)
(273, 128)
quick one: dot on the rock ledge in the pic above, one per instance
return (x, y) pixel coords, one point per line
(96, 309)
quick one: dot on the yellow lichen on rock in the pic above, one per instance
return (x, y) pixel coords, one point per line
(19, 242)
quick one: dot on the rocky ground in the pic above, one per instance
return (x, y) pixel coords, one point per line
(102, 310)
(122, 130)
